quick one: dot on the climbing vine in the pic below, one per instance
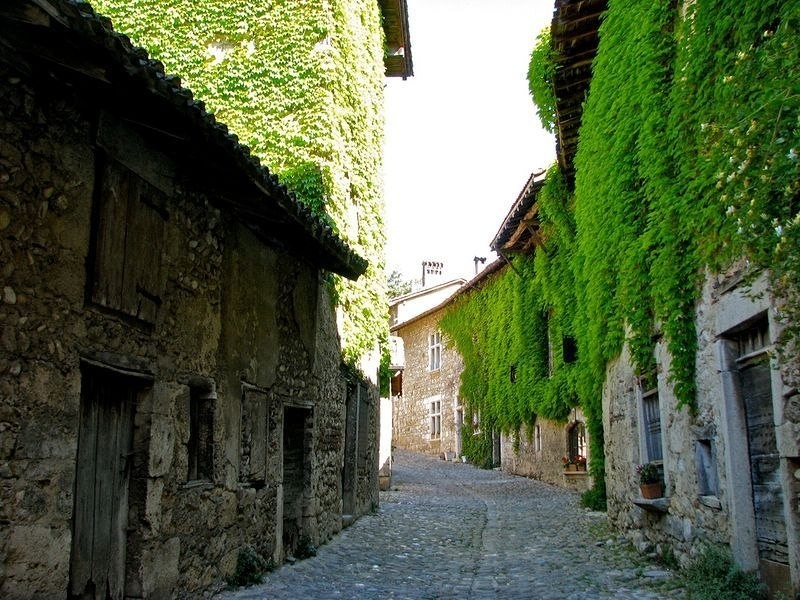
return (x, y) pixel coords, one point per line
(514, 367)
(687, 162)
(301, 83)
(541, 69)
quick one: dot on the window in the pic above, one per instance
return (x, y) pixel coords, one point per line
(537, 438)
(397, 384)
(436, 419)
(128, 243)
(201, 433)
(435, 351)
(253, 468)
(706, 460)
(651, 426)
(576, 441)
(512, 374)
(569, 349)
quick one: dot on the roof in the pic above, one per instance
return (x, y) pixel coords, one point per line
(64, 43)
(425, 291)
(476, 283)
(519, 231)
(398, 38)
(574, 35)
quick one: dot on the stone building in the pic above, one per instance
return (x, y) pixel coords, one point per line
(555, 452)
(426, 413)
(729, 470)
(172, 386)
(730, 467)
(549, 451)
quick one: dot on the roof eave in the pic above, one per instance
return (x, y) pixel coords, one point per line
(398, 61)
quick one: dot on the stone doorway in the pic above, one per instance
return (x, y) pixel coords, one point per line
(765, 464)
(350, 466)
(297, 428)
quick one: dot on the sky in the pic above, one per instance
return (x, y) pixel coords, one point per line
(462, 135)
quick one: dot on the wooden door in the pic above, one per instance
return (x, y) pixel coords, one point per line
(100, 515)
(764, 462)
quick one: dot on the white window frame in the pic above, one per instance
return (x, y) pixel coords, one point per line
(435, 414)
(435, 351)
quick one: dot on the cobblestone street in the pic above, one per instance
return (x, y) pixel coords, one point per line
(454, 531)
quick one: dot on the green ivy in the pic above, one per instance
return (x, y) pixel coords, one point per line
(688, 160)
(541, 70)
(301, 83)
(520, 314)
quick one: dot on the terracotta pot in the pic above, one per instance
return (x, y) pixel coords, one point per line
(651, 490)
(571, 467)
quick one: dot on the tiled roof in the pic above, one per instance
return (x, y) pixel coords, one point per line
(67, 42)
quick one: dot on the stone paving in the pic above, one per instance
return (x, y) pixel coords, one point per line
(448, 530)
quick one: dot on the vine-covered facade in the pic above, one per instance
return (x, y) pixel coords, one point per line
(301, 84)
(665, 244)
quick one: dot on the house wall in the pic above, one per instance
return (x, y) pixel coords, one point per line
(690, 516)
(519, 454)
(233, 313)
(411, 411)
(407, 307)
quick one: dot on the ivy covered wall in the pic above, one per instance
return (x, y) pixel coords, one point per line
(687, 162)
(301, 83)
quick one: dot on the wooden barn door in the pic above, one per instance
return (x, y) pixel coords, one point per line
(100, 515)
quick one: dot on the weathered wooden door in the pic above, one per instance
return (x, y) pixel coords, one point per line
(764, 467)
(100, 514)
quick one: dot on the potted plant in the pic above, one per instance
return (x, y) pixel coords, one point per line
(649, 480)
(569, 464)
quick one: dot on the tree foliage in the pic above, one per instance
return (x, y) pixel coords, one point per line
(396, 285)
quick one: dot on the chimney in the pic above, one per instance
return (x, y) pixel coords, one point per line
(432, 273)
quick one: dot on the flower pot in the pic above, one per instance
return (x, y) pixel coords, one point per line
(651, 490)
(581, 467)
(571, 467)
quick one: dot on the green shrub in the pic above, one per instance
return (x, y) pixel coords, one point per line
(715, 576)
(305, 549)
(595, 498)
(250, 567)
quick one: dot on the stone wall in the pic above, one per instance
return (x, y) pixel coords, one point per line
(707, 493)
(233, 317)
(521, 455)
(411, 411)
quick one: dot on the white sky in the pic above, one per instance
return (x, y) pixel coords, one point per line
(462, 135)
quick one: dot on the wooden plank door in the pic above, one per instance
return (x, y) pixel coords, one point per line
(768, 501)
(100, 515)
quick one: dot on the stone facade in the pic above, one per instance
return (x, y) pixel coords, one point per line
(412, 412)
(538, 452)
(153, 341)
(722, 483)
